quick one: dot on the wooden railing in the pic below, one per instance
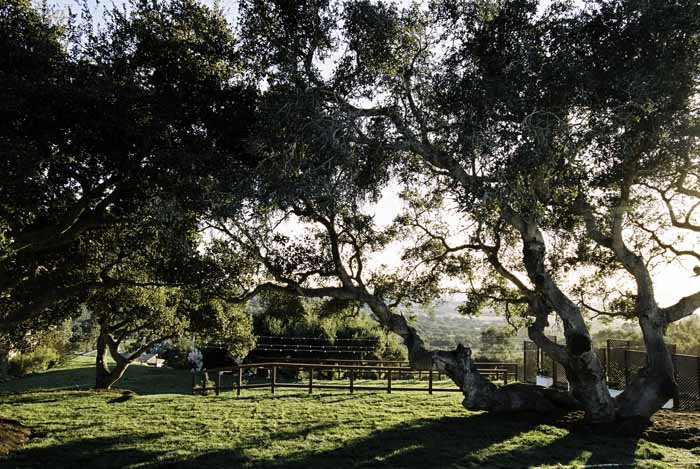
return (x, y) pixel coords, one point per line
(497, 371)
(510, 368)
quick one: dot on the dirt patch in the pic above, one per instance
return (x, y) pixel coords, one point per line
(12, 435)
(676, 429)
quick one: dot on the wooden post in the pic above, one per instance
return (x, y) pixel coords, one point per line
(388, 381)
(607, 361)
(194, 382)
(273, 379)
(674, 360)
(430, 381)
(311, 380)
(524, 361)
(218, 383)
(352, 380)
(420, 375)
(676, 393)
(554, 368)
(516, 373)
(505, 377)
(627, 366)
(239, 381)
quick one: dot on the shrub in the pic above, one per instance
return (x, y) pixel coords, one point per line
(175, 354)
(40, 359)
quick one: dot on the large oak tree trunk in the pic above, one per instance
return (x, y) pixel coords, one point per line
(584, 372)
(655, 384)
(588, 385)
(479, 392)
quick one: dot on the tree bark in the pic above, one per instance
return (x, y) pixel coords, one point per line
(479, 392)
(104, 377)
(654, 384)
(583, 369)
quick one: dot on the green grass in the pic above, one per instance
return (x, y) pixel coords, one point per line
(164, 426)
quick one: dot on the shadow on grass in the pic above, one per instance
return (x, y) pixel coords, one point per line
(483, 441)
(141, 379)
(100, 452)
(479, 440)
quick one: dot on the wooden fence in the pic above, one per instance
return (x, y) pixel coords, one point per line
(352, 372)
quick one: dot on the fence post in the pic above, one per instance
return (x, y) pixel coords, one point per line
(239, 381)
(194, 381)
(430, 381)
(524, 361)
(674, 360)
(605, 363)
(515, 378)
(388, 381)
(505, 377)
(218, 383)
(676, 393)
(554, 368)
(607, 360)
(273, 380)
(627, 366)
(311, 379)
(352, 380)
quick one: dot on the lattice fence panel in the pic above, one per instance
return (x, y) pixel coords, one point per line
(688, 376)
(616, 367)
(560, 377)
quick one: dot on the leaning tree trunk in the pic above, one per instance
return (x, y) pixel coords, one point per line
(584, 372)
(654, 384)
(479, 392)
(582, 366)
(104, 376)
(587, 383)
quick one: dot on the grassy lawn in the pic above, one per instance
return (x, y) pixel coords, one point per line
(164, 426)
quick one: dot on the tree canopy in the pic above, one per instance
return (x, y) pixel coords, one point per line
(563, 138)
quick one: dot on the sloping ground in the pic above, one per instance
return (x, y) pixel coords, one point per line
(83, 428)
(12, 435)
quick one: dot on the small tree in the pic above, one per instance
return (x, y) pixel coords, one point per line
(140, 317)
